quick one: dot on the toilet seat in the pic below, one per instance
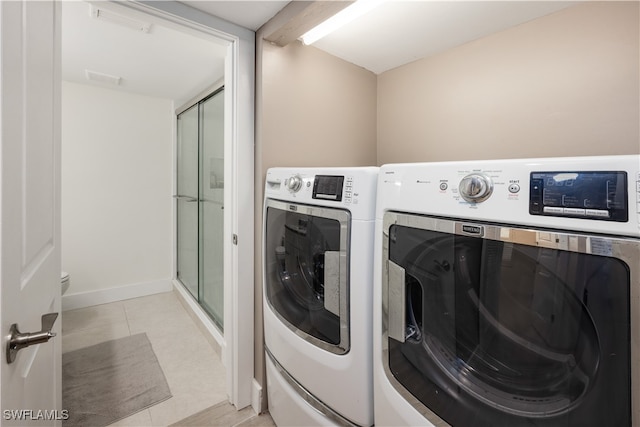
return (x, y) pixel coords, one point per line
(64, 281)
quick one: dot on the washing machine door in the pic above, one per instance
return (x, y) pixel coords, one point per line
(498, 326)
(306, 271)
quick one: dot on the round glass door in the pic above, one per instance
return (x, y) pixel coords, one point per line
(306, 281)
(513, 334)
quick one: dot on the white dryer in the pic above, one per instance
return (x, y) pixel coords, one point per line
(318, 291)
(507, 293)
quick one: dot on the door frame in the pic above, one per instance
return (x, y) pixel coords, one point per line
(237, 342)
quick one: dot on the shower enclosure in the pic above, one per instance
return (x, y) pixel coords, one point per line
(200, 207)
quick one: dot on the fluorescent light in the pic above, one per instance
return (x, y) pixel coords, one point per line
(117, 18)
(346, 15)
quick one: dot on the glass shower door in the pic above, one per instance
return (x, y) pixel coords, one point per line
(200, 204)
(211, 294)
(187, 200)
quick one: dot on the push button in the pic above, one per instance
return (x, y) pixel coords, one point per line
(597, 213)
(638, 196)
(573, 211)
(553, 210)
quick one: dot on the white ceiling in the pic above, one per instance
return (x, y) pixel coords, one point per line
(171, 64)
(163, 63)
(399, 32)
(245, 13)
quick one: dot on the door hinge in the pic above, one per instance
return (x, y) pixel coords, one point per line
(235, 239)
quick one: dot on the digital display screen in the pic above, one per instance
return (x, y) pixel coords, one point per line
(328, 187)
(590, 195)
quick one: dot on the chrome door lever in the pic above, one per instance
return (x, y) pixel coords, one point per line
(18, 340)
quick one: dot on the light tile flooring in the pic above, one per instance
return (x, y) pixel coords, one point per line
(193, 369)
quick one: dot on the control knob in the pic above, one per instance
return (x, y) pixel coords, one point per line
(294, 184)
(476, 187)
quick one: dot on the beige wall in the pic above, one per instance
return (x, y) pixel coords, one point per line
(318, 110)
(313, 109)
(563, 85)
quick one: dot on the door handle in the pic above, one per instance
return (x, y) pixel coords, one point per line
(397, 302)
(332, 282)
(18, 340)
(186, 198)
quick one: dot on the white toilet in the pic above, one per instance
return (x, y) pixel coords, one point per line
(64, 281)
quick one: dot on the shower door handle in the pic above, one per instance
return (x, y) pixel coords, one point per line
(186, 198)
(19, 340)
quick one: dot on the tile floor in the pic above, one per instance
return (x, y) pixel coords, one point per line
(224, 414)
(193, 369)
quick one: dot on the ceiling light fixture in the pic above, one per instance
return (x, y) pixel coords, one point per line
(116, 18)
(340, 19)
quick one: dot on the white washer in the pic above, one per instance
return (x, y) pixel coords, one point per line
(508, 293)
(318, 290)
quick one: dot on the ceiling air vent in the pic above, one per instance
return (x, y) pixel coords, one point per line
(116, 18)
(102, 78)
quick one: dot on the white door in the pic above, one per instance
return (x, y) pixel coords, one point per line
(30, 206)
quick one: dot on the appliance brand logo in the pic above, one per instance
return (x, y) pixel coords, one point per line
(293, 208)
(473, 229)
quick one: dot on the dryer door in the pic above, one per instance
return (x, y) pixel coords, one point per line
(498, 326)
(306, 271)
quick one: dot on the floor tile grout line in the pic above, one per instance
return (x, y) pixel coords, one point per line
(126, 316)
(252, 416)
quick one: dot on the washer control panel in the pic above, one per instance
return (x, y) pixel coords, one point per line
(599, 195)
(638, 197)
(329, 187)
(353, 188)
(475, 187)
(294, 184)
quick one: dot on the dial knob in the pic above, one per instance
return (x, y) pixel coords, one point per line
(294, 184)
(476, 187)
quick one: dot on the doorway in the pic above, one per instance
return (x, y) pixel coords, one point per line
(236, 341)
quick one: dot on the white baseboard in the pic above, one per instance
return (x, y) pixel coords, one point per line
(256, 397)
(120, 293)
